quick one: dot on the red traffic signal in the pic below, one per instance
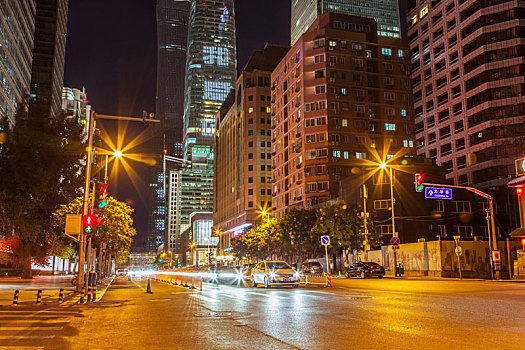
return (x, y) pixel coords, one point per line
(523, 243)
(519, 191)
(418, 181)
(89, 221)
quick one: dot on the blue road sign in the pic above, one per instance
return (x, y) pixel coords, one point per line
(438, 193)
(395, 241)
(325, 240)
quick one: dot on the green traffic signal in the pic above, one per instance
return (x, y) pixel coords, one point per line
(102, 204)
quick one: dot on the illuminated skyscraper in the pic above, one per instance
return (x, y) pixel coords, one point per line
(17, 23)
(210, 75)
(385, 12)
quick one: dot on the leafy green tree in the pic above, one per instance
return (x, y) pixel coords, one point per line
(296, 233)
(342, 223)
(116, 232)
(40, 163)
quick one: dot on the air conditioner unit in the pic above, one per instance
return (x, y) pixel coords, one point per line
(331, 48)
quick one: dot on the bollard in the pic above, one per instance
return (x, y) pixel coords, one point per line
(148, 289)
(39, 297)
(61, 296)
(94, 292)
(192, 283)
(200, 284)
(129, 277)
(82, 291)
(15, 298)
(89, 294)
(328, 280)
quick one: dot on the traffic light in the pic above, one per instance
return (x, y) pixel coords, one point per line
(98, 225)
(523, 243)
(101, 195)
(418, 181)
(89, 222)
(519, 191)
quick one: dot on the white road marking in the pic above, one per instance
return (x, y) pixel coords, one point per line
(236, 297)
(267, 295)
(20, 347)
(211, 300)
(11, 337)
(159, 299)
(31, 328)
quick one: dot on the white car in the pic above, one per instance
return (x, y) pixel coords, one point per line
(274, 273)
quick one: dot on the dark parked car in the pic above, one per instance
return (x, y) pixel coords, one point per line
(311, 267)
(365, 270)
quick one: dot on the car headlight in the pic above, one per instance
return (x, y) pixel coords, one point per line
(297, 275)
(272, 275)
(240, 276)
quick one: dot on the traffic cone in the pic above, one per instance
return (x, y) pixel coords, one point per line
(148, 289)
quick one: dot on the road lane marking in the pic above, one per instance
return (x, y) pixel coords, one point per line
(20, 337)
(269, 295)
(31, 328)
(236, 297)
(20, 347)
(211, 300)
(160, 300)
(36, 317)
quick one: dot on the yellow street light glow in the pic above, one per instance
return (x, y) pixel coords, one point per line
(117, 154)
(263, 212)
(382, 165)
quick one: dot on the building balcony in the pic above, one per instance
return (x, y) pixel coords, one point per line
(298, 166)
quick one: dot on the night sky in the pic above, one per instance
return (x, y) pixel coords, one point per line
(111, 51)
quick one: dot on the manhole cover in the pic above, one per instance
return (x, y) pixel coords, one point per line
(213, 314)
(360, 297)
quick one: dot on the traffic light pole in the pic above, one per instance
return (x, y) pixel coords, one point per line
(91, 129)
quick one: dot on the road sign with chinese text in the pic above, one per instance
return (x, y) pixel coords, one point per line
(438, 193)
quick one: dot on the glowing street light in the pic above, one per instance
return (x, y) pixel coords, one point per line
(117, 154)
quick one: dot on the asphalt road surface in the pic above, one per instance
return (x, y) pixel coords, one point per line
(369, 314)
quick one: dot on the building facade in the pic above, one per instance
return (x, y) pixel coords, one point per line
(385, 12)
(189, 190)
(468, 83)
(210, 75)
(341, 96)
(242, 188)
(49, 51)
(17, 25)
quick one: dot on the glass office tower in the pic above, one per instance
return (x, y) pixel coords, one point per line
(210, 75)
(385, 12)
(17, 24)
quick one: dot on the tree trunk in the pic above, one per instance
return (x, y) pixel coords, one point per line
(53, 266)
(26, 261)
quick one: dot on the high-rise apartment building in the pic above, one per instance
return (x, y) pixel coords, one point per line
(242, 187)
(385, 12)
(17, 24)
(210, 75)
(75, 105)
(49, 50)
(341, 97)
(468, 83)
(172, 36)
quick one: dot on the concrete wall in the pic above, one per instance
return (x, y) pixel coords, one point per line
(437, 258)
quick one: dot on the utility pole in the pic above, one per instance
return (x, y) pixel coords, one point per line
(365, 221)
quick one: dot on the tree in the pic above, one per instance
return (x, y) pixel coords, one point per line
(116, 231)
(342, 223)
(40, 164)
(296, 233)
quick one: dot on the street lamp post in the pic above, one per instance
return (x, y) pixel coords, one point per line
(383, 166)
(264, 212)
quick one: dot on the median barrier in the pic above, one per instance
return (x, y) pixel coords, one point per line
(15, 298)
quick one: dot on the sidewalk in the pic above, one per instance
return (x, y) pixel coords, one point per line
(50, 286)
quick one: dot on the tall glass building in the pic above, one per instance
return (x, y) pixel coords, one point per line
(172, 36)
(385, 12)
(210, 75)
(49, 52)
(17, 24)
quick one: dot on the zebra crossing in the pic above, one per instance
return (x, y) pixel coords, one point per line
(35, 328)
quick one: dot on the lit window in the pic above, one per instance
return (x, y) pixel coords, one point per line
(345, 122)
(250, 110)
(388, 156)
(332, 43)
(268, 109)
(404, 112)
(390, 127)
(372, 143)
(399, 53)
(386, 52)
(337, 154)
(360, 155)
(413, 20)
(343, 91)
(423, 12)
(345, 155)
